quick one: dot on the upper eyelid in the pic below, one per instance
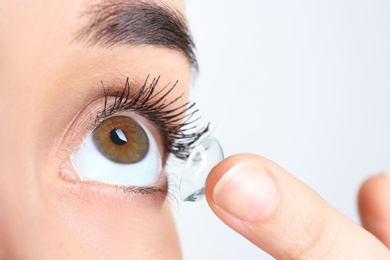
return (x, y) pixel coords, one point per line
(155, 105)
(171, 124)
(126, 101)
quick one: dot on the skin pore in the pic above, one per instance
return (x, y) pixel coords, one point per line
(48, 79)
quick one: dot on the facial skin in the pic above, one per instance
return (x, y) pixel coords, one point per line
(49, 77)
(53, 60)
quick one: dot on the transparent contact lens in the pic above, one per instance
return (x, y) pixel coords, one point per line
(202, 159)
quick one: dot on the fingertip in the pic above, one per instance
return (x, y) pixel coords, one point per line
(374, 180)
(241, 187)
(371, 189)
(218, 171)
(374, 206)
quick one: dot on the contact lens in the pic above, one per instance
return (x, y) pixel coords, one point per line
(201, 161)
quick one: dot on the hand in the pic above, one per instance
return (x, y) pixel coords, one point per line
(288, 220)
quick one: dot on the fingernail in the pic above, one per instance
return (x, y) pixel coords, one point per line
(246, 191)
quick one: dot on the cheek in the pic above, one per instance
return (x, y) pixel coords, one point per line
(51, 219)
(19, 192)
(117, 224)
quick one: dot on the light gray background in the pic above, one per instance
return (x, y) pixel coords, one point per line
(304, 83)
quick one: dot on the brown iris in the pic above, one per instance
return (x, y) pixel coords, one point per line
(121, 139)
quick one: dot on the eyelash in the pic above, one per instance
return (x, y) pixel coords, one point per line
(173, 124)
(178, 126)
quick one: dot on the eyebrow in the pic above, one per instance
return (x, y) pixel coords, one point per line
(112, 23)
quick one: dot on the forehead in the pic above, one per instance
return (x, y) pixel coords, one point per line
(51, 9)
(62, 20)
(54, 13)
(41, 57)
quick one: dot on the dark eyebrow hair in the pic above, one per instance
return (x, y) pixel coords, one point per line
(124, 22)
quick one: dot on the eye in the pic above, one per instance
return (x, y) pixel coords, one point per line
(120, 150)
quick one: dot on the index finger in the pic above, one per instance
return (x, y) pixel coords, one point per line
(283, 216)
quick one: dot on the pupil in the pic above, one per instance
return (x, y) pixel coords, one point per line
(118, 137)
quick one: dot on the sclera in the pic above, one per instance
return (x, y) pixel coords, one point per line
(201, 161)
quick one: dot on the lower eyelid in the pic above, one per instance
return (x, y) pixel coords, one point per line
(155, 195)
(99, 193)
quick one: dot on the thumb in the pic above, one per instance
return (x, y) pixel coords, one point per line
(283, 216)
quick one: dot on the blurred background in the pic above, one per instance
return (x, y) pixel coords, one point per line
(304, 83)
